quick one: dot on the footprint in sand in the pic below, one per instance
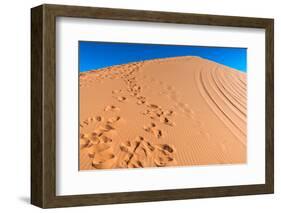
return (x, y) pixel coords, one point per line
(111, 108)
(98, 118)
(132, 154)
(90, 120)
(105, 127)
(169, 112)
(102, 155)
(121, 99)
(164, 156)
(101, 134)
(114, 119)
(157, 113)
(141, 153)
(134, 94)
(99, 143)
(85, 142)
(88, 140)
(152, 128)
(136, 88)
(185, 109)
(153, 106)
(141, 100)
(116, 91)
(166, 121)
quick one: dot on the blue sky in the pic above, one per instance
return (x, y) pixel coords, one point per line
(96, 55)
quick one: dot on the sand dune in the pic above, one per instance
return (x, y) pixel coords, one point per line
(167, 112)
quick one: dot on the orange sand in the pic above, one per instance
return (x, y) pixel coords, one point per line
(167, 112)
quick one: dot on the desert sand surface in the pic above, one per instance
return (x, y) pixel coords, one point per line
(179, 111)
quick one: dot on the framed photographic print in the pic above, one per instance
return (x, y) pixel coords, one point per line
(136, 106)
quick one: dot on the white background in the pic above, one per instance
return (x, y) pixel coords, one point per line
(15, 105)
(70, 182)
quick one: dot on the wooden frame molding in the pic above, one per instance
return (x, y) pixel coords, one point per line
(43, 105)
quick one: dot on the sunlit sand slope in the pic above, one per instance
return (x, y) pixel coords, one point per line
(178, 111)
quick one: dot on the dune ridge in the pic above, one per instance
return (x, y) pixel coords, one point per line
(177, 111)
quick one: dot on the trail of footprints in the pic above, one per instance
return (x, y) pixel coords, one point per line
(99, 142)
(142, 153)
(138, 152)
(135, 153)
(171, 93)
